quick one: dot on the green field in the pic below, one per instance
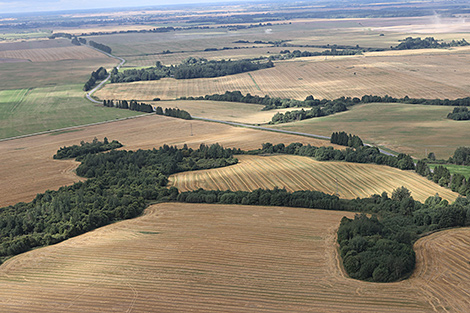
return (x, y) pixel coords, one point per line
(413, 129)
(454, 169)
(31, 110)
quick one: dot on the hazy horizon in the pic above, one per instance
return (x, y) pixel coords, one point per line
(31, 6)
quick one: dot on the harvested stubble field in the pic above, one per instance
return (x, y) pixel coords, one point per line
(52, 54)
(412, 129)
(221, 258)
(293, 173)
(415, 75)
(27, 166)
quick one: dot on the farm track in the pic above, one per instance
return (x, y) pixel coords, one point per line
(350, 180)
(202, 258)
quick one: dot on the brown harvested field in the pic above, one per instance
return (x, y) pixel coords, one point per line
(416, 75)
(52, 54)
(27, 166)
(443, 269)
(222, 258)
(212, 258)
(302, 173)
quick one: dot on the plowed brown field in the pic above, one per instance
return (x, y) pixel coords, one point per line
(302, 173)
(220, 258)
(27, 166)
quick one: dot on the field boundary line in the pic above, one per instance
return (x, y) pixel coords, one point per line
(74, 127)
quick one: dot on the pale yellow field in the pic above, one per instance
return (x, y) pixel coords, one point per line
(416, 75)
(302, 173)
(52, 54)
(220, 258)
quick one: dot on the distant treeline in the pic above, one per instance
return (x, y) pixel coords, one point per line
(86, 148)
(120, 184)
(100, 46)
(427, 43)
(189, 68)
(133, 105)
(459, 114)
(286, 54)
(97, 75)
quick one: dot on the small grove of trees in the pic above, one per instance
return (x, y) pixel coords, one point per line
(344, 139)
(100, 46)
(459, 114)
(426, 43)
(97, 75)
(442, 176)
(86, 148)
(189, 68)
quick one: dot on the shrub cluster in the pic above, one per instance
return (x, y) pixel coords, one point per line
(86, 148)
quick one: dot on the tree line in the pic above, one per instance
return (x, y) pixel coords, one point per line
(100, 46)
(442, 176)
(133, 105)
(359, 154)
(95, 76)
(188, 69)
(120, 184)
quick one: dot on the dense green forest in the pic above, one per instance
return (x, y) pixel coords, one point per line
(189, 68)
(96, 76)
(119, 186)
(459, 114)
(86, 148)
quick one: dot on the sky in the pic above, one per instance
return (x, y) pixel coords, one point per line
(19, 6)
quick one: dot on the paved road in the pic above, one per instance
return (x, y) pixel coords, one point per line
(277, 131)
(90, 93)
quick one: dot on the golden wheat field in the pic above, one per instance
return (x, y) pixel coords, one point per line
(416, 75)
(27, 166)
(350, 180)
(218, 258)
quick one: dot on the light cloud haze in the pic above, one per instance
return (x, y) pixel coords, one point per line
(19, 6)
